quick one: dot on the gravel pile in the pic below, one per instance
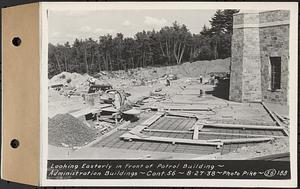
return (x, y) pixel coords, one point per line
(67, 131)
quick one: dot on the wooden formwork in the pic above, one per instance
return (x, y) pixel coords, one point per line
(199, 128)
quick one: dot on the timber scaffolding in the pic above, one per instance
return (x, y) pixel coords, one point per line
(193, 125)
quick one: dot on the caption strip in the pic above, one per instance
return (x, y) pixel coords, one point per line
(167, 169)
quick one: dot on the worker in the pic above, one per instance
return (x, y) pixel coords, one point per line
(213, 79)
(201, 93)
(118, 101)
(92, 81)
(83, 98)
(201, 79)
(167, 82)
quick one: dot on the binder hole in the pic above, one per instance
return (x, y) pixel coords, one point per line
(14, 143)
(16, 41)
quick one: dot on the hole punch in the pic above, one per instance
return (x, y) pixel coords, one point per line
(16, 41)
(14, 143)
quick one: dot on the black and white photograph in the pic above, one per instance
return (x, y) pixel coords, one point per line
(149, 94)
(168, 84)
(160, 84)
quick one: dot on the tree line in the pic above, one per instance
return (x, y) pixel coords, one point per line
(170, 45)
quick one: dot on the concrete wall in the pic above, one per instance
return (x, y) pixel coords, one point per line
(256, 38)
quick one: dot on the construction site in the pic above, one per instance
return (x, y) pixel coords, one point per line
(233, 108)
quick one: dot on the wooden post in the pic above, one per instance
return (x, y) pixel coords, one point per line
(196, 133)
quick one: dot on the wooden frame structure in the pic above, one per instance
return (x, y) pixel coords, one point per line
(198, 128)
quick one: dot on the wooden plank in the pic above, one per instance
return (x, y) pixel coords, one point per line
(129, 136)
(282, 119)
(240, 134)
(242, 140)
(196, 133)
(152, 119)
(85, 111)
(132, 112)
(199, 125)
(272, 115)
(168, 131)
(97, 140)
(226, 125)
(159, 122)
(110, 109)
(196, 94)
(137, 129)
(176, 107)
(124, 129)
(199, 122)
(180, 114)
(189, 103)
(183, 108)
(275, 118)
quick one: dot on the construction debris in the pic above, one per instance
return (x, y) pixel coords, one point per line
(157, 109)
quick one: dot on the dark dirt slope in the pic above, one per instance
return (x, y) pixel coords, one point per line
(64, 129)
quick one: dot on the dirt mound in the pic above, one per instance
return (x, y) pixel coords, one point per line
(72, 79)
(63, 78)
(139, 76)
(75, 81)
(65, 130)
(193, 69)
(187, 69)
(142, 76)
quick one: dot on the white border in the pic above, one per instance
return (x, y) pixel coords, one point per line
(63, 6)
(43, 91)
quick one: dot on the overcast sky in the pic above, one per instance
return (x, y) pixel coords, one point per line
(68, 25)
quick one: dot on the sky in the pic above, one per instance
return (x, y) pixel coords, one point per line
(68, 25)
